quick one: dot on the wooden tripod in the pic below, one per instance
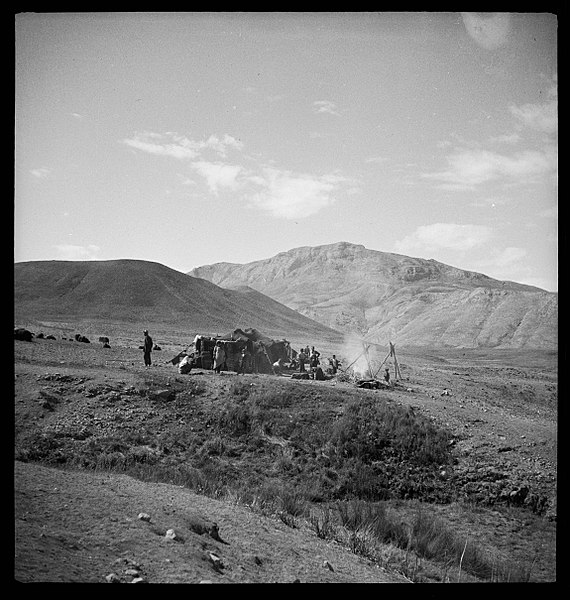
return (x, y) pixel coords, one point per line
(392, 353)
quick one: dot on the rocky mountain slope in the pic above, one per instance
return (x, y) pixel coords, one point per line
(147, 294)
(384, 296)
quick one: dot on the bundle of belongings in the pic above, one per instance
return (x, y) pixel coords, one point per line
(246, 351)
(372, 384)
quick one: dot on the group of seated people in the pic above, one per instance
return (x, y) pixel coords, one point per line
(311, 360)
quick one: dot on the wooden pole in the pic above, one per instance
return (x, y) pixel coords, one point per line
(267, 356)
(382, 364)
(367, 360)
(397, 373)
(350, 365)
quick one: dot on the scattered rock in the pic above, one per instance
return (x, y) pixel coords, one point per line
(171, 535)
(200, 525)
(328, 565)
(518, 496)
(23, 334)
(113, 578)
(144, 516)
(216, 561)
(505, 449)
(162, 395)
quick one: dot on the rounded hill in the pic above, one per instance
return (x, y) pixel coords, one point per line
(136, 291)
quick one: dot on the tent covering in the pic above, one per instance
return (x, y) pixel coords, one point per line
(263, 350)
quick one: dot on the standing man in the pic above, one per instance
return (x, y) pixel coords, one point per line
(219, 357)
(302, 358)
(147, 348)
(334, 364)
(244, 360)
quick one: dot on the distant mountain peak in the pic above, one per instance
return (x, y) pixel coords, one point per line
(384, 295)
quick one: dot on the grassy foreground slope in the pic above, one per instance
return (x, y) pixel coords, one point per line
(372, 471)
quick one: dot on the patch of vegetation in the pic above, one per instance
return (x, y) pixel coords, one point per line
(373, 530)
(331, 458)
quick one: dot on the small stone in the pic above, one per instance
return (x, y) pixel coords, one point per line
(113, 578)
(144, 516)
(216, 561)
(170, 534)
(328, 565)
(138, 580)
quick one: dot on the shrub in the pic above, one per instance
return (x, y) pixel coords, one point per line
(294, 503)
(322, 523)
(358, 515)
(236, 419)
(371, 430)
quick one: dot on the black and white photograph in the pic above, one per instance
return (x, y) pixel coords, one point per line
(285, 297)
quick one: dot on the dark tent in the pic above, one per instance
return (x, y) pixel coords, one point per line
(263, 350)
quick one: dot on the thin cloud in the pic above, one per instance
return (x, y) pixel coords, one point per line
(507, 257)
(218, 175)
(378, 160)
(291, 196)
(443, 236)
(549, 213)
(41, 173)
(71, 252)
(180, 147)
(164, 145)
(508, 263)
(281, 193)
(325, 106)
(540, 117)
(489, 32)
(222, 145)
(468, 168)
(507, 138)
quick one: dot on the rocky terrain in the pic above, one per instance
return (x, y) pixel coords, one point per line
(129, 474)
(499, 408)
(383, 296)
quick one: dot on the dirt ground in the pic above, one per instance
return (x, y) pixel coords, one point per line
(74, 526)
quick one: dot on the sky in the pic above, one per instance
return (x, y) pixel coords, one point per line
(193, 138)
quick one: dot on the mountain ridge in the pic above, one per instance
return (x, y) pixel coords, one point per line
(137, 292)
(381, 295)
